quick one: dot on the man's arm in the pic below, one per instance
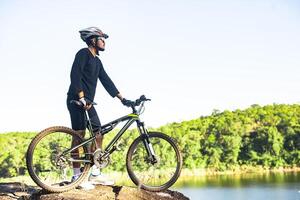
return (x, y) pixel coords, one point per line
(108, 84)
(120, 96)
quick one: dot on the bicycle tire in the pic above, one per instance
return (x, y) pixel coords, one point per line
(30, 156)
(131, 172)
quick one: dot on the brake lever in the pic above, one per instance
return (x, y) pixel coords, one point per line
(137, 102)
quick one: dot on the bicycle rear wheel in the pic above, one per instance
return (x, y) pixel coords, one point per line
(50, 166)
(152, 176)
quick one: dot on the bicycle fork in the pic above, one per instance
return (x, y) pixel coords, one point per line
(146, 142)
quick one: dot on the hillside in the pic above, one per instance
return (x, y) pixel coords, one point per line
(265, 136)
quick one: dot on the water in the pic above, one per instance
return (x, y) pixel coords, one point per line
(273, 186)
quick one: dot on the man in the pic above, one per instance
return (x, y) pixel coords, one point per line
(86, 70)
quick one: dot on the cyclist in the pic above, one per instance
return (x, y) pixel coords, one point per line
(86, 70)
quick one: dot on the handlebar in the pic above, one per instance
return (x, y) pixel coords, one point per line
(132, 104)
(139, 101)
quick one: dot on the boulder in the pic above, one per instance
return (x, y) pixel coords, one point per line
(13, 191)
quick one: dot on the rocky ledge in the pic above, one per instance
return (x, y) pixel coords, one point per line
(13, 191)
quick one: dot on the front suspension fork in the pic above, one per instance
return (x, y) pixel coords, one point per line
(146, 141)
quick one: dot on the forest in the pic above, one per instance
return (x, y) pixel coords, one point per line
(259, 136)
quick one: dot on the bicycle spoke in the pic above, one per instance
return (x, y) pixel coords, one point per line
(154, 175)
(49, 165)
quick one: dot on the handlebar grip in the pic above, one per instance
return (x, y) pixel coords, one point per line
(79, 103)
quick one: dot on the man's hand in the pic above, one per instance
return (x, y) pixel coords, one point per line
(127, 103)
(85, 104)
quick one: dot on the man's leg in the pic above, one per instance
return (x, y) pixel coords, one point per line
(99, 141)
(75, 152)
(86, 185)
(78, 124)
(96, 177)
(96, 125)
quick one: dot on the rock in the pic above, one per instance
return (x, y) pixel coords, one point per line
(13, 191)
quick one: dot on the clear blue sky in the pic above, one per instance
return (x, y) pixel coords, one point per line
(189, 56)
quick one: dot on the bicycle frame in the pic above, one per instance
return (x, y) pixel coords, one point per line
(130, 118)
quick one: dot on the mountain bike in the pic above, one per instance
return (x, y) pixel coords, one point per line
(153, 160)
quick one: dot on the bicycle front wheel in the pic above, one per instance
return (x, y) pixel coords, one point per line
(149, 175)
(50, 162)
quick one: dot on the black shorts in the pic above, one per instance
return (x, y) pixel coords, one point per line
(78, 118)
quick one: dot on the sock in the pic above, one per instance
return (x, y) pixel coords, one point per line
(95, 171)
(76, 171)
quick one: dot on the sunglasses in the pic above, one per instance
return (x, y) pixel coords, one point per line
(101, 38)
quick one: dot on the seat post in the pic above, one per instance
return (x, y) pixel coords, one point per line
(88, 120)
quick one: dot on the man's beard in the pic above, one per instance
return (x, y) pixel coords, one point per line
(100, 49)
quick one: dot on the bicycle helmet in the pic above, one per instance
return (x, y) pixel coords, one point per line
(91, 32)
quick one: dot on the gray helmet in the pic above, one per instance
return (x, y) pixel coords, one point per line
(91, 31)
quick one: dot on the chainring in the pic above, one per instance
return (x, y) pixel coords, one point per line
(98, 159)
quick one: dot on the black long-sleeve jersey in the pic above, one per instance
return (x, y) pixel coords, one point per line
(86, 70)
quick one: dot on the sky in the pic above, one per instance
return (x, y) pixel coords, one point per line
(190, 57)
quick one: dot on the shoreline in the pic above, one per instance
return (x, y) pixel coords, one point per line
(229, 178)
(237, 171)
(186, 176)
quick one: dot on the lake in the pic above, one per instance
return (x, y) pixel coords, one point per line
(265, 186)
